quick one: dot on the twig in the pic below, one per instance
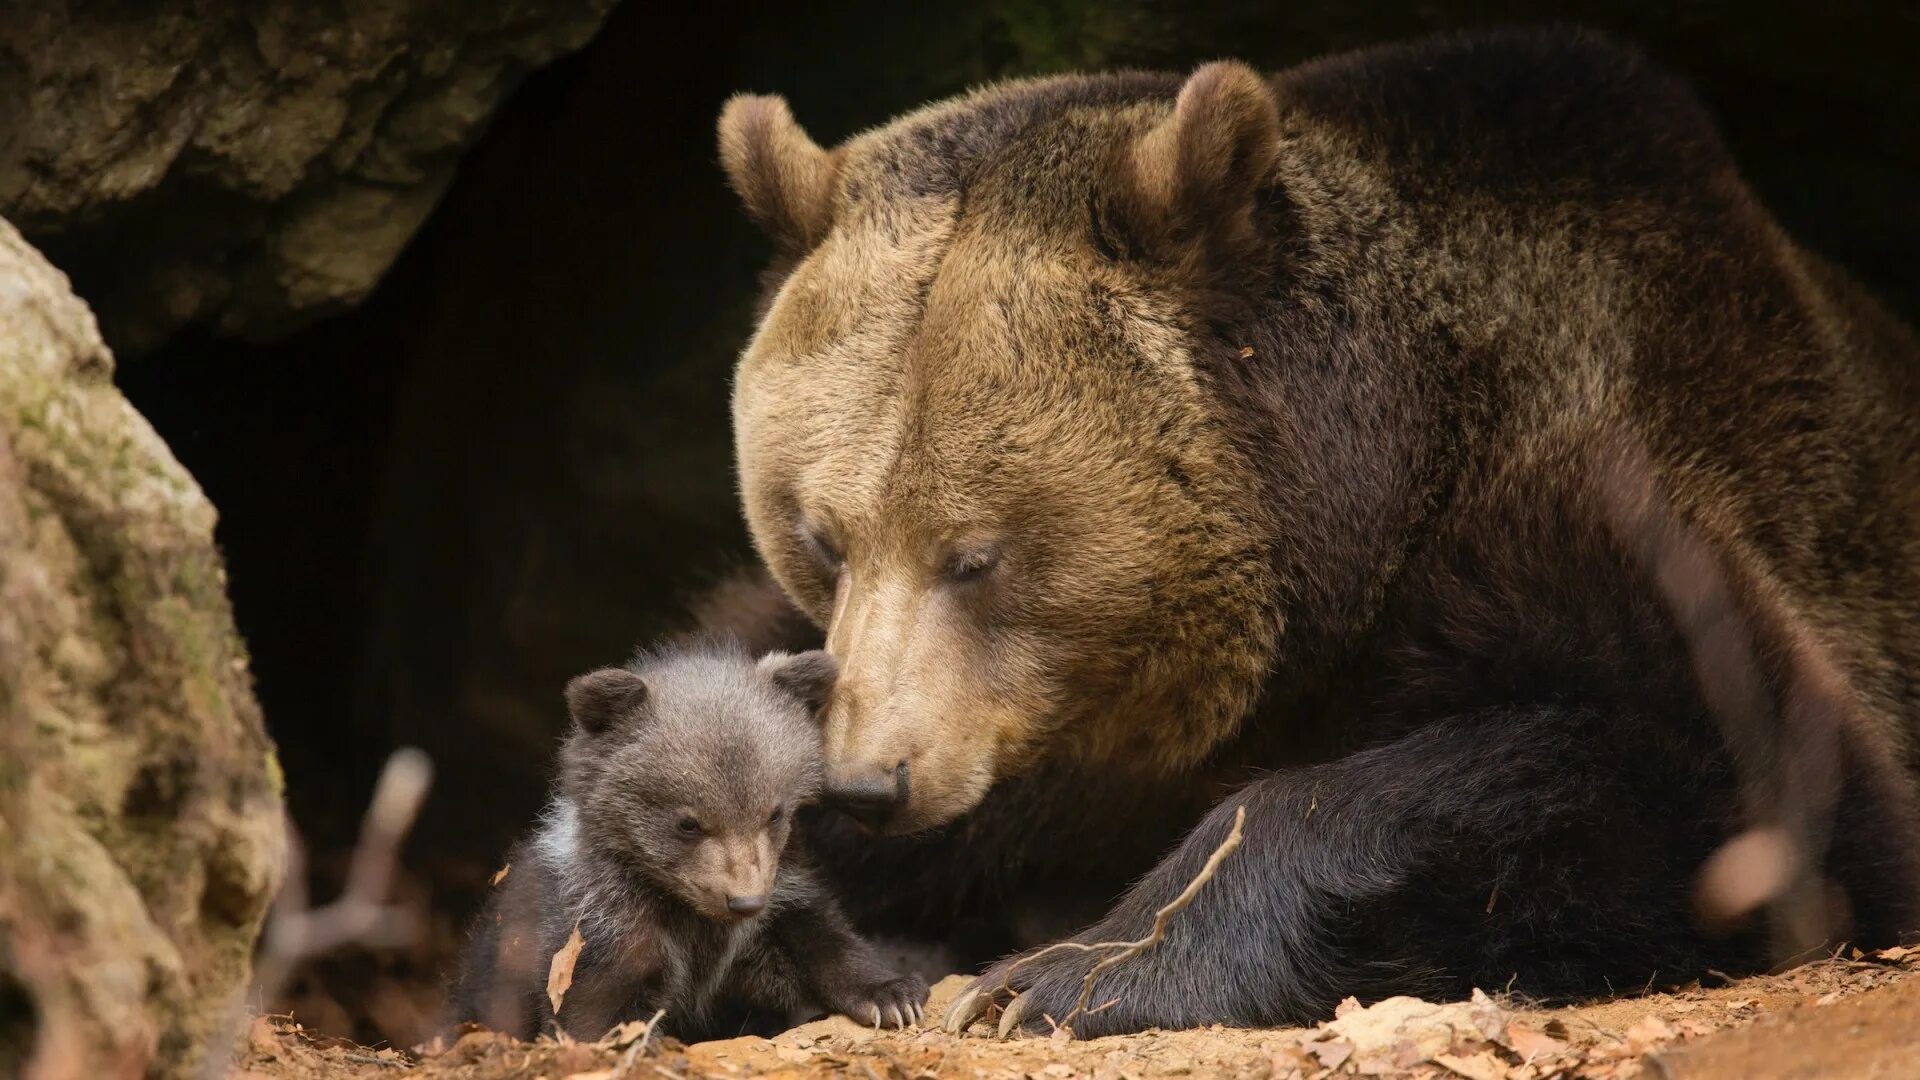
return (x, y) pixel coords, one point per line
(1784, 743)
(362, 915)
(1127, 950)
(640, 1045)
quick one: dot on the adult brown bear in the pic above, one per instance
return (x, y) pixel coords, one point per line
(1435, 450)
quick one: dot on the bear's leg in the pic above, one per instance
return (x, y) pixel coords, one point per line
(1552, 850)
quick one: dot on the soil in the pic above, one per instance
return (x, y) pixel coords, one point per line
(1849, 1016)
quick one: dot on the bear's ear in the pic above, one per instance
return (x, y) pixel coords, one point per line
(782, 175)
(808, 676)
(1198, 175)
(600, 699)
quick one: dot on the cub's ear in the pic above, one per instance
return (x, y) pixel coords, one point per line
(808, 676)
(782, 175)
(600, 699)
(1199, 173)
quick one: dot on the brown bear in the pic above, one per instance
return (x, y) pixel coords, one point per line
(1434, 450)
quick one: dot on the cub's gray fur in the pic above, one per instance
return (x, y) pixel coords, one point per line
(668, 844)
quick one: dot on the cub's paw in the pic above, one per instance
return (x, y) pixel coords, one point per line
(896, 1003)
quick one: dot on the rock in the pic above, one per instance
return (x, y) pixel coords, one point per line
(254, 166)
(140, 824)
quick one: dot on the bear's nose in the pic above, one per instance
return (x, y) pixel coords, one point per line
(869, 796)
(746, 905)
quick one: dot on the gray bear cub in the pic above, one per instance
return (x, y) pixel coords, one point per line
(669, 843)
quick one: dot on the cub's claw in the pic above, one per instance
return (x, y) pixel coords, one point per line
(897, 1003)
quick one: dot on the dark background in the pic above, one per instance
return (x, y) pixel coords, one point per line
(513, 462)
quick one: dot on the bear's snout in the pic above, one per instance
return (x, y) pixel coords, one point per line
(870, 794)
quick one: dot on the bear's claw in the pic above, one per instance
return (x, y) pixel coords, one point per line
(1010, 1016)
(971, 1005)
(976, 1003)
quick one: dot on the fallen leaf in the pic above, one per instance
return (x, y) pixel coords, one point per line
(1246, 352)
(1650, 1029)
(592, 1074)
(266, 1042)
(1898, 952)
(1347, 1005)
(1530, 1044)
(1058, 1068)
(560, 972)
(1696, 1028)
(1330, 1052)
(1828, 998)
(1480, 1066)
(1682, 1006)
(1388, 1027)
(1740, 1005)
(500, 875)
(1405, 1054)
(632, 1031)
(1489, 1019)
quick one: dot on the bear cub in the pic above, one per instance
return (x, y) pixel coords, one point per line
(669, 843)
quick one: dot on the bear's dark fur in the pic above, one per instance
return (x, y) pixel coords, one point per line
(1591, 502)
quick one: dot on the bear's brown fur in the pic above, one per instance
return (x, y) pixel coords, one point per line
(1127, 434)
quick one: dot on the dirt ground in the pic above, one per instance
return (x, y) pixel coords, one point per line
(1851, 1016)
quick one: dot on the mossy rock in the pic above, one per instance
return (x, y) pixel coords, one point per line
(141, 835)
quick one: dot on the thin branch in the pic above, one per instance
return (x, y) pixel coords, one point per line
(362, 915)
(640, 1045)
(1127, 950)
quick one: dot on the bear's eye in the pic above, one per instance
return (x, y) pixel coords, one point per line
(971, 564)
(821, 546)
(689, 826)
(778, 813)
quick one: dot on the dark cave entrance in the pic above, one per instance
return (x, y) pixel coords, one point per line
(513, 462)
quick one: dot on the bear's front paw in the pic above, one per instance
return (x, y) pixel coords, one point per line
(1033, 993)
(895, 1003)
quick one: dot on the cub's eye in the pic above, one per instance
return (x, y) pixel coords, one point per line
(689, 826)
(778, 813)
(971, 564)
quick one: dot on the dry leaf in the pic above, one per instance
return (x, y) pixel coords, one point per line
(592, 1074)
(560, 972)
(1480, 1066)
(1246, 352)
(1898, 952)
(1650, 1029)
(1347, 1005)
(1530, 1044)
(1489, 1019)
(1330, 1052)
(500, 875)
(266, 1041)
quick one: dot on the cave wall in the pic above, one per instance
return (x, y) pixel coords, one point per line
(512, 462)
(250, 165)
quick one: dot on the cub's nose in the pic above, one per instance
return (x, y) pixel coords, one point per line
(870, 796)
(746, 905)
